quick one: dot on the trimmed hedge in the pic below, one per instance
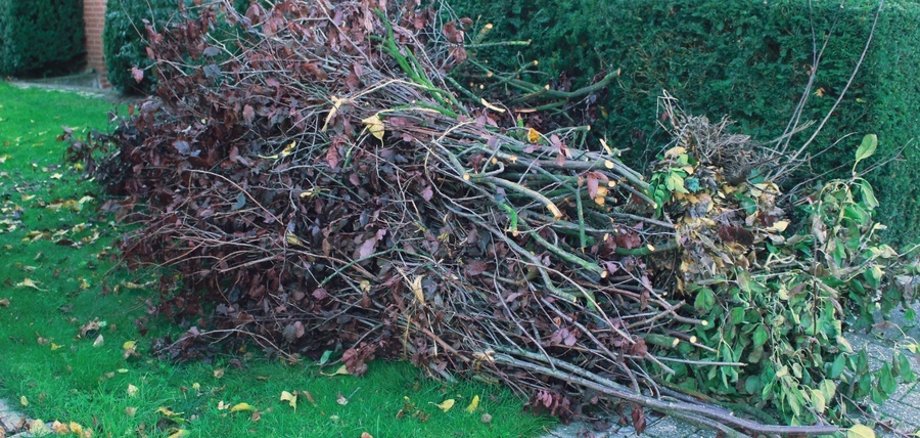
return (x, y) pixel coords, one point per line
(749, 60)
(40, 36)
(124, 37)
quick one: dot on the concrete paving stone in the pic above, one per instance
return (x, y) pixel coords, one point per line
(669, 428)
(701, 433)
(905, 414)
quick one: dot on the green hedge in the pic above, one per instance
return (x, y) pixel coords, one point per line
(124, 37)
(40, 36)
(747, 59)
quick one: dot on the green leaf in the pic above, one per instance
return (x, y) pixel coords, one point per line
(818, 401)
(866, 148)
(705, 299)
(860, 431)
(760, 336)
(675, 183)
(838, 366)
(886, 380)
(868, 195)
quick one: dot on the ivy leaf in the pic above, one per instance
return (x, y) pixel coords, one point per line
(866, 148)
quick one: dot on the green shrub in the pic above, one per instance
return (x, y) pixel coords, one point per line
(748, 60)
(124, 40)
(40, 36)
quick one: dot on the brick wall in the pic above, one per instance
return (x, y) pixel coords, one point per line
(94, 19)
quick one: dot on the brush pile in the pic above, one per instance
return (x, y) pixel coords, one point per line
(321, 183)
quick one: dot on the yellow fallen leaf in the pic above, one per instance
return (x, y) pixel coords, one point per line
(132, 390)
(99, 341)
(341, 371)
(417, 289)
(129, 345)
(3, 158)
(218, 373)
(336, 104)
(59, 428)
(24, 401)
(290, 398)
(75, 428)
(533, 135)
(446, 405)
(27, 198)
(289, 149)
(474, 404)
(166, 412)
(292, 239)
(675, 152)
(375, 126)
(221, 406)
(180, 433)
(779, 226)
(130, 411)
(57, 176)
(55, 347)
(242, 407)
(84, 285)
(28, 282)
(37, 427)
(196, 386)
(860, 431)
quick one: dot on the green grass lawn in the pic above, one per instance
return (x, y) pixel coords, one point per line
(58, 273)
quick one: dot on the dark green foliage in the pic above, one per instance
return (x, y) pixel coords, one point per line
(748, 60)
(40, 36)
(124, 40)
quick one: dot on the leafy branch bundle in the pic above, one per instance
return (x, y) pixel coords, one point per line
(320, 183)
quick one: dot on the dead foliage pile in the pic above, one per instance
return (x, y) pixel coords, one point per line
(320, 183)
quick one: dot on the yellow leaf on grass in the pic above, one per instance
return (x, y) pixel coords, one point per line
(341, 371)
(28, 282)
(57, 176)
(166, 412)
(179, 434)
(533, 135)
(474, 404)
(59, 428)
(290, 398)
(55, 347)
(27, 198)
(23, 400)
(375, 126)
(129, 345)
(75, 428)
(446, 405)
(242, 407)
(860, 431)
(132, 390)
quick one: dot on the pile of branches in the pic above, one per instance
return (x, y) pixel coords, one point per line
(321, 183)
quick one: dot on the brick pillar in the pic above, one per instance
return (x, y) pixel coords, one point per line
(94, 20)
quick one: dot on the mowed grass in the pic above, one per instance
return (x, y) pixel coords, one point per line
(58, 272)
